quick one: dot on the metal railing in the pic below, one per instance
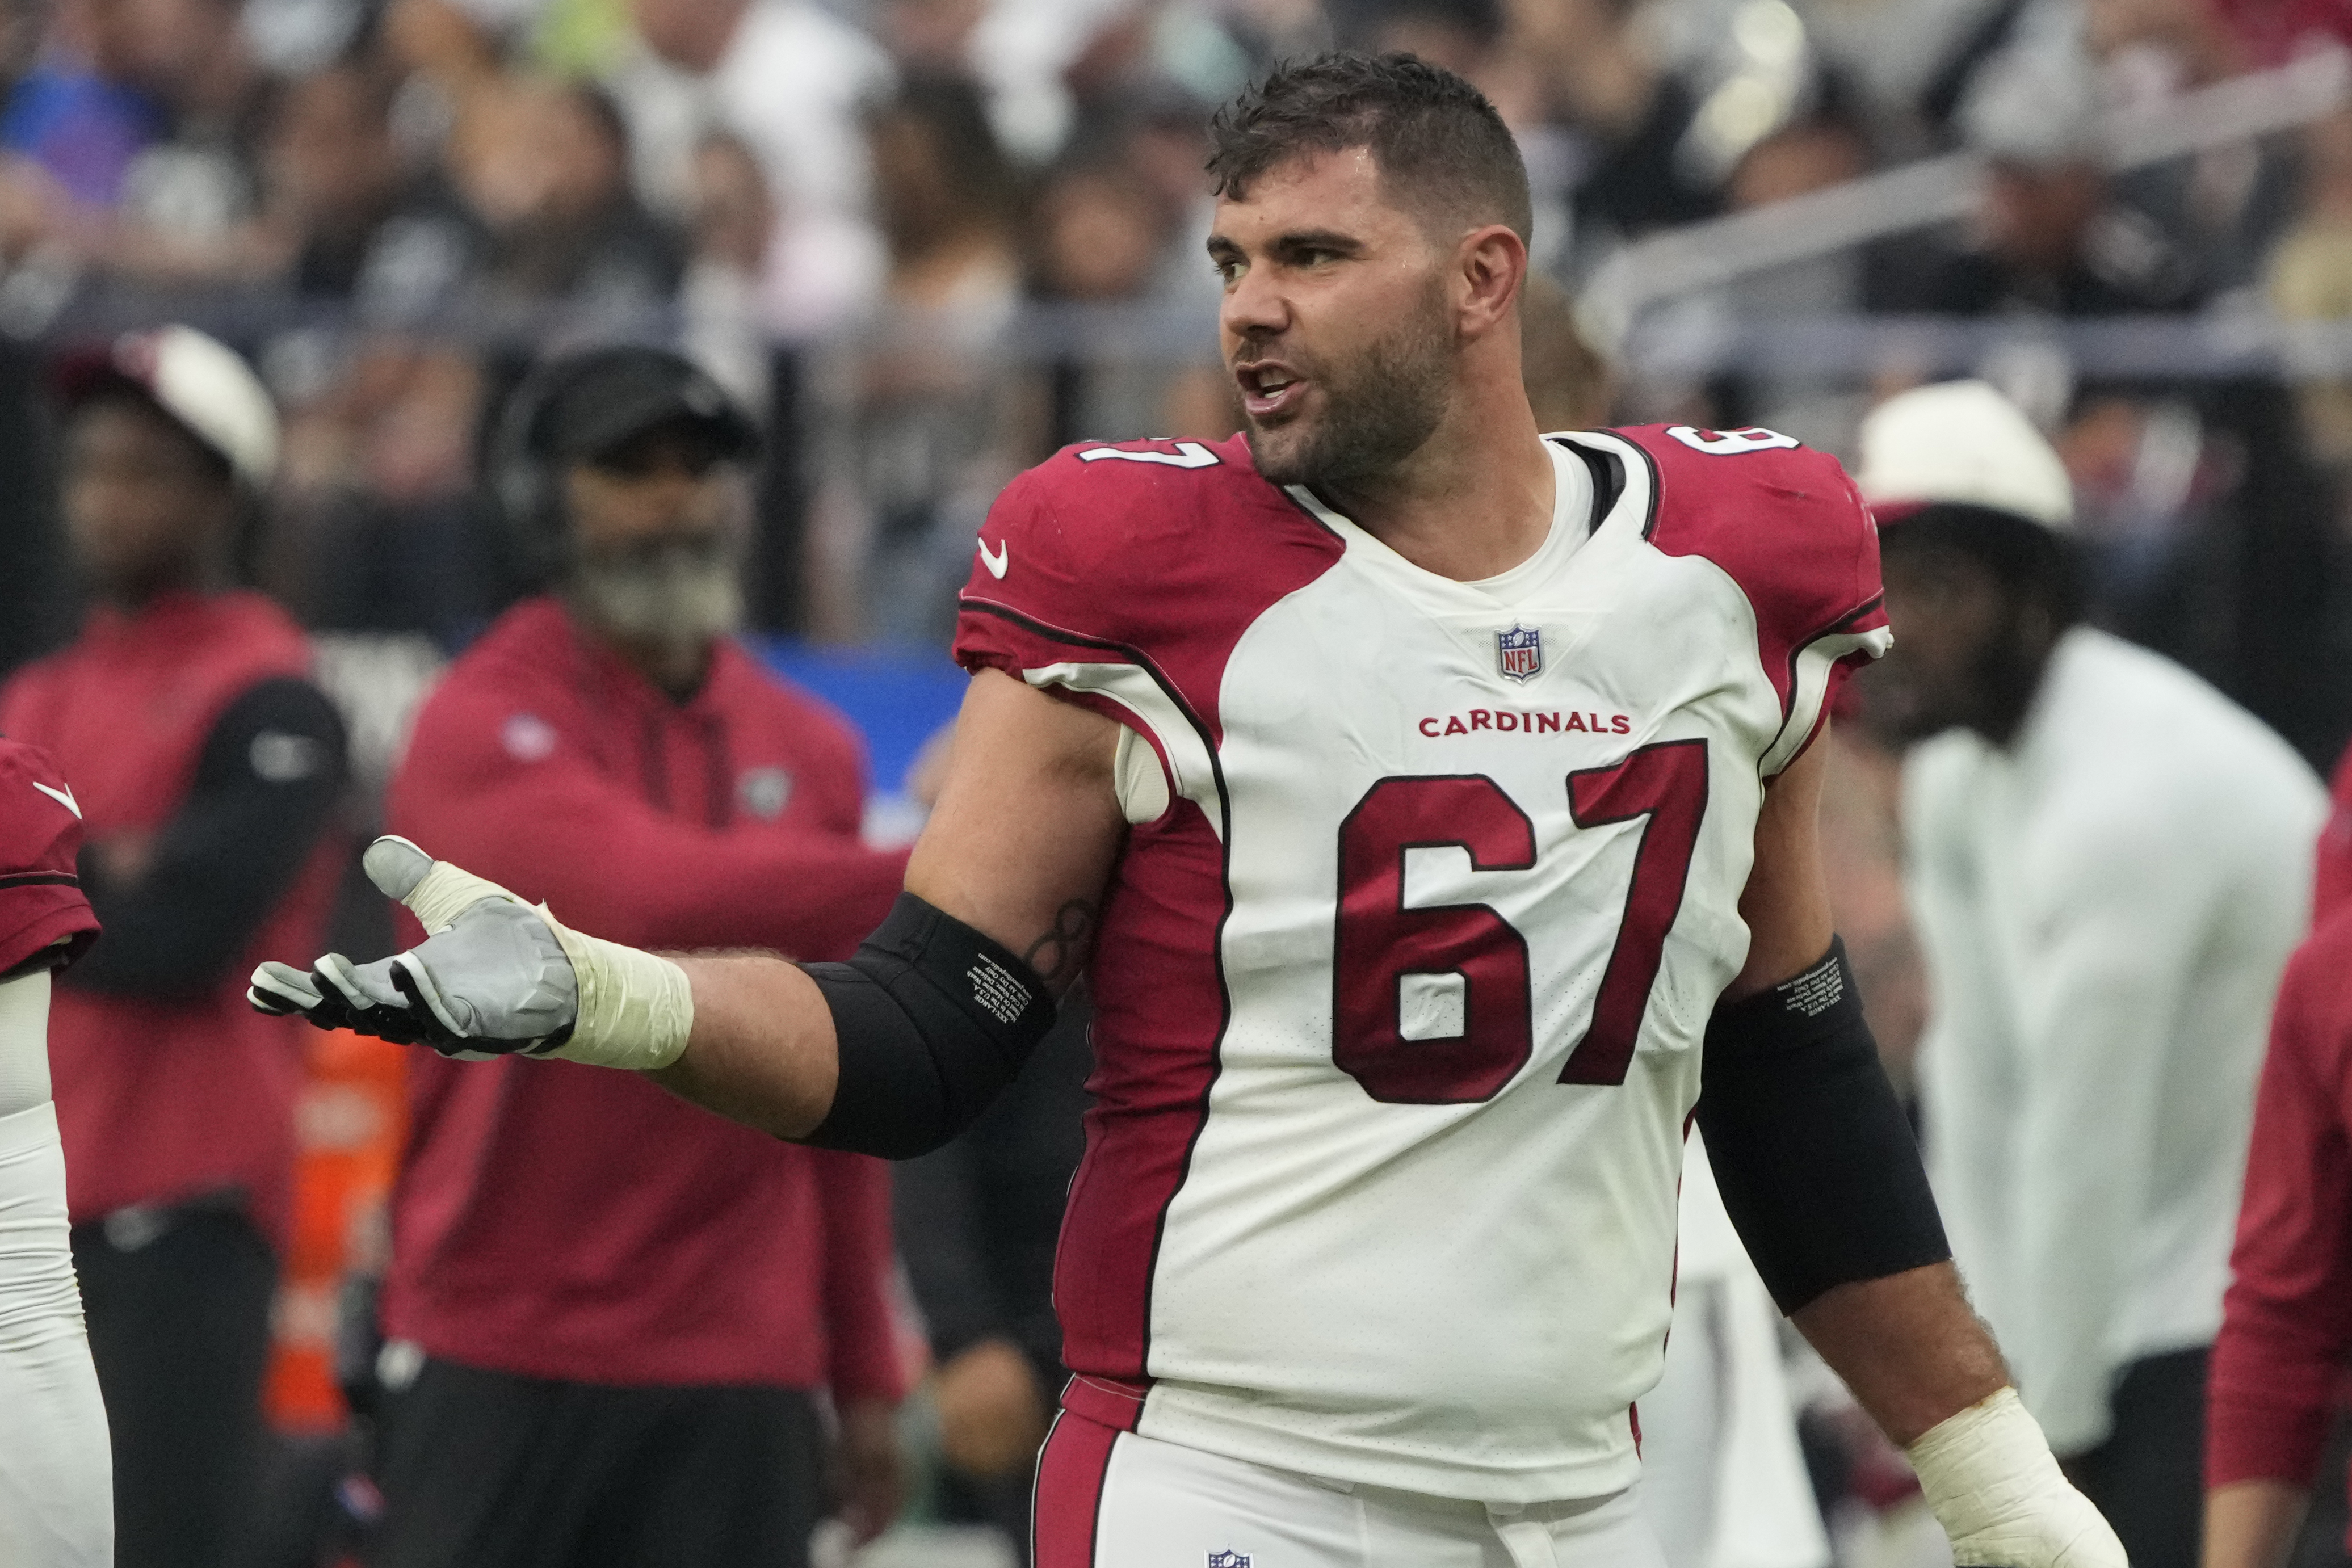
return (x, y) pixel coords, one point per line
(1705, 255)
(2213, 346)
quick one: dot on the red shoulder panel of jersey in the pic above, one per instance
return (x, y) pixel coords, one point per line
(1157, 553)
(42, 910)
(1786, 523)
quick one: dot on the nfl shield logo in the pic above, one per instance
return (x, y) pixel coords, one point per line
(1519, 652)
(1229, 1560)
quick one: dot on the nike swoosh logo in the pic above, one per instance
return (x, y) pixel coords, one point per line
(62, 797)
(996, 563)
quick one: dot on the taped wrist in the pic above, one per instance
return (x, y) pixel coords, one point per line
(934, 1019)
(1818, 1169)
(635, 1009)
(1991, 1482)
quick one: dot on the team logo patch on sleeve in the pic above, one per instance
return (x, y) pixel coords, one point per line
(1518, 653)
(1229, 1560)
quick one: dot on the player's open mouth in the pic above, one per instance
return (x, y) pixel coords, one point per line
(1268, 389)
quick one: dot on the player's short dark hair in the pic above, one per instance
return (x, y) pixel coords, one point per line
(1439, 145)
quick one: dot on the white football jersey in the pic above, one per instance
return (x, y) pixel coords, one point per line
(1432, 887)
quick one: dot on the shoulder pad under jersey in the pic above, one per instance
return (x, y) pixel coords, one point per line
(1785, 522)
(1131, 544)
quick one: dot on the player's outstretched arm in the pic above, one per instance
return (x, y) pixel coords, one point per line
(1822, 1176)
(889, 1054)
(1018, 848)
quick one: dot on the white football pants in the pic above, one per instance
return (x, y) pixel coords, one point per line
(57, 1474)
(1115, 1499)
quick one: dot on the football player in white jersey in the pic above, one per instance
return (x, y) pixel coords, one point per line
(1428, 801)
(57, 1468)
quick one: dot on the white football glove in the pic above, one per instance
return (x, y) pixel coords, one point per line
(1998, 1492)
(494, 977)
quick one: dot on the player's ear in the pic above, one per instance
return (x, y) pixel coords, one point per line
(1491, 264)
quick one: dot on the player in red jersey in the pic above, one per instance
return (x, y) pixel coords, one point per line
(1427, 800)
(57, 1477)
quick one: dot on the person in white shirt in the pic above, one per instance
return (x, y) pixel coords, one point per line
(2108, 862)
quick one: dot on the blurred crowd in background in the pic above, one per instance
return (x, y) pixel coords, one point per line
(927, 241)
(931, 240)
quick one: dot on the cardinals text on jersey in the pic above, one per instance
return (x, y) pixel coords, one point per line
(1401, 982)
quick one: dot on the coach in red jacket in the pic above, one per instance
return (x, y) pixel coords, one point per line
(626, 1311)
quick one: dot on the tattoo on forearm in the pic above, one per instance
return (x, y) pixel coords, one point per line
(1058, 955)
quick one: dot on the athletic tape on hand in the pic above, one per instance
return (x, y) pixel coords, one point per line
(1994, 1485)
(446, 892)
(636, 1009)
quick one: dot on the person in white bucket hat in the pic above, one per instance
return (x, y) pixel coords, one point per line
(2108, 862)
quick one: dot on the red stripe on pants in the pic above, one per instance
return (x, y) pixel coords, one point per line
(1069, 1491)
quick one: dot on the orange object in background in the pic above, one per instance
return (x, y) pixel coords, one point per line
(348, 1126)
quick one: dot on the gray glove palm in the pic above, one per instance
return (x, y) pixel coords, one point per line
(494, 981)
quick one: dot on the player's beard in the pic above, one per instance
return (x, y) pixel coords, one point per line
(681, 593)
(1378, 407)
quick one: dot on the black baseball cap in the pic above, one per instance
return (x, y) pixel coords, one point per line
(600, 399)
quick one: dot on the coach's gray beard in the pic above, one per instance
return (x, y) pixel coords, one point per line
(1379, 415)
(684, 594)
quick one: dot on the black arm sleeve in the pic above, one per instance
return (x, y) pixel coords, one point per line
(265, 786)
(1819, 1170)
(934, 1019)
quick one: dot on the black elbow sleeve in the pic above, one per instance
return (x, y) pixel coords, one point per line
(934, 1019)
(1817, 1164)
